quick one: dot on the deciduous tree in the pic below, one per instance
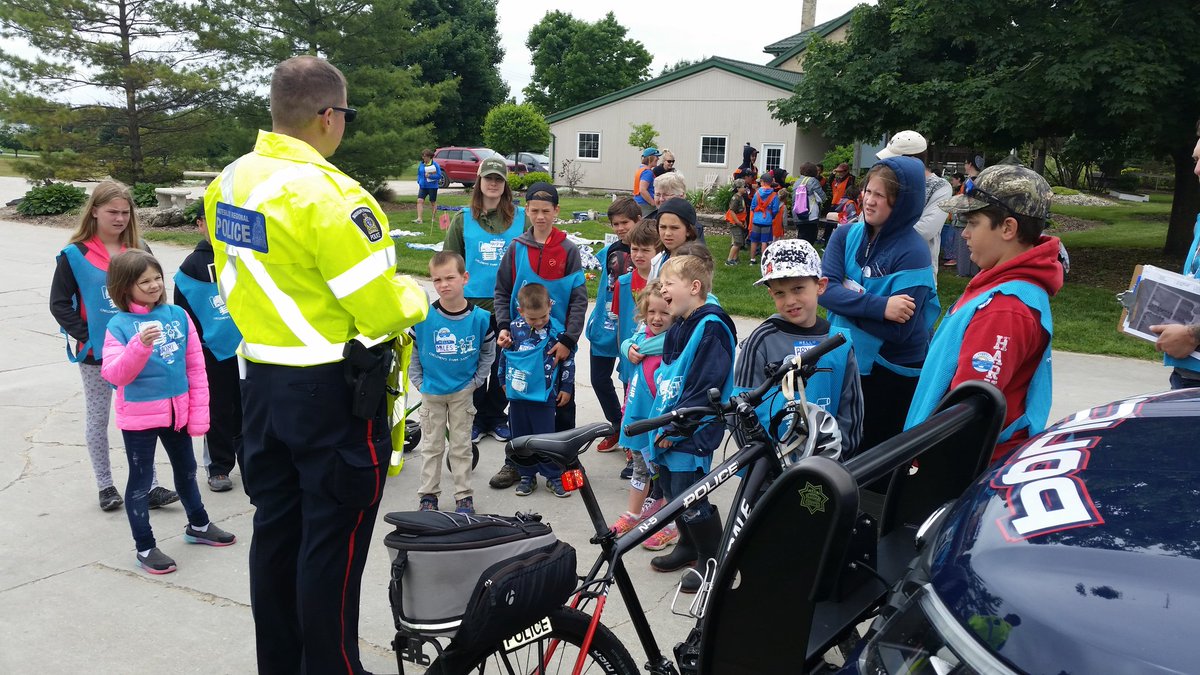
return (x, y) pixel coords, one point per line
(116, 82)
(1104, 78)
(575, 61)
(643, 136)
(511, 128)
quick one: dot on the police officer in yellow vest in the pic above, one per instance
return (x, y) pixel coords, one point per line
(307, 270)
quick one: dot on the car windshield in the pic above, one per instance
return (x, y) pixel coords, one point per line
(484, 153)
(542, 159)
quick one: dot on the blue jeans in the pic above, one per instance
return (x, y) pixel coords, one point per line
(675, 483)
(139, 448)
(949, 249)
(1180, 382)
(526, 418)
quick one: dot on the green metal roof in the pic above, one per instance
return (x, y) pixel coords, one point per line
(788, 47)
(776, 77)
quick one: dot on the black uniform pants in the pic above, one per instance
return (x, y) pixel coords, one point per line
(315, 474)
(224, 435)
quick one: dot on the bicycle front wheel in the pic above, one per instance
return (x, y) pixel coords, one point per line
(559, 648)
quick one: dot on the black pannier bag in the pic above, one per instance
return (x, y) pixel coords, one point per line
(438, 557)
(510, 597)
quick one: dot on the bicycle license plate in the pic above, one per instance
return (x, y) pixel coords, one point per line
(528, 635)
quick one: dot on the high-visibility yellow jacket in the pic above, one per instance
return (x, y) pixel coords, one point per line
(303, 257)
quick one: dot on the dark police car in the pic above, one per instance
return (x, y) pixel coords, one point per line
(1078, 554)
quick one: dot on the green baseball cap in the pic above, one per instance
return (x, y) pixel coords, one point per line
(493, 166)
(1014, 187)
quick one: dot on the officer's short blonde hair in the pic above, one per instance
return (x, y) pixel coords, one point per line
(300, 87)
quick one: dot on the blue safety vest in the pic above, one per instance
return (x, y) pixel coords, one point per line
(165, 373)
(527, 376)
(449, 349)
(823, 389)
(601, 327)
(669, 381)
(559, 289)
(1191, 268)
(221, 336)
(484, 250)
(866, 345)
(947, 342)
(639, 402)
(627, 323)
(93, 290)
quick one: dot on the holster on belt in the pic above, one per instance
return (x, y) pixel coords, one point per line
(367, 372)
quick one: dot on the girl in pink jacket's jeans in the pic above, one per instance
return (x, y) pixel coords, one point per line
(153, 355)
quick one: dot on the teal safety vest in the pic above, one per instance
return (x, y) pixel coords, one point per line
(165, 374)
(93, 291)
(627, 323)
(601, 327)
(669, 381)
(866, 345)
(823, 389)
(1191, 268)
(526, 377)
(449, 349)
(483, 252)
(559, 289)
(221, 336)
(936, 377)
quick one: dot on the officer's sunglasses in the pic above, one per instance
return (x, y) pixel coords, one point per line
(350, 113)
(976, 193)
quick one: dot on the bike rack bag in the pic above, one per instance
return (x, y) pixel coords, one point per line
(437, 558)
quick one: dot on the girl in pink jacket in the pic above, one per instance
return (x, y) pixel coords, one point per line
(153, 356)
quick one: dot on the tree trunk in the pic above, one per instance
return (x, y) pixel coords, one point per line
(1185, 205)
(1039, 157)
(132, 119)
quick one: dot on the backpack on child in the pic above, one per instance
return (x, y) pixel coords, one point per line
(800, 200)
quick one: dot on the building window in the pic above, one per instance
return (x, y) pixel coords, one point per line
(712, 150)
(589, 145)
(774, 156)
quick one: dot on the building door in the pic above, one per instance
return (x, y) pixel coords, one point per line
(772, 156)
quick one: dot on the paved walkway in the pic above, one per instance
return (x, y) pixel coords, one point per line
(74, 601)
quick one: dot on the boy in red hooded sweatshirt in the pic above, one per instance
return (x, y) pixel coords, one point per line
(1000, 330)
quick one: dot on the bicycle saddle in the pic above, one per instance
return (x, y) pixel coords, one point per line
(561, 448)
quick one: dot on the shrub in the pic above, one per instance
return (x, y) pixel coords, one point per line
(536, 177)
(52, 199)
(1127, 181)
(515, 183)
(192, 211)
(696, 197)
(144, 195)
(1060, 190)
(718, 199)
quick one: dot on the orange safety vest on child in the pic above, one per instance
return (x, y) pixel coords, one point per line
(764, 207)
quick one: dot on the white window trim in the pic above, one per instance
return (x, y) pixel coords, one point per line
(700, 151)
(599, 141)
(782, 153)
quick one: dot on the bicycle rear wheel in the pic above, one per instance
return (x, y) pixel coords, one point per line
(559, 649)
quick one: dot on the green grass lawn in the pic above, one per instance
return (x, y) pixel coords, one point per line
(6, 165)
(1085, 311)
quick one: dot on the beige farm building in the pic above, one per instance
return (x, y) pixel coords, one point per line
(704, 113)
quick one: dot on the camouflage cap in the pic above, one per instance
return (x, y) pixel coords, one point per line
(1012, 186)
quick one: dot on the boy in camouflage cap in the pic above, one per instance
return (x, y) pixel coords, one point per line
(1000, 330)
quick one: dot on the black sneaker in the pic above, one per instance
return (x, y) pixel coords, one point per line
(110, 499)
(527, 485)
(213, 536)
(505, 478)
(428, 503)
(161, 496)
(555, 485)
(627, 472)
(156, 562)
(220, 483)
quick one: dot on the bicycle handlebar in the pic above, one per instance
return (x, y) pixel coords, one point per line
(751, 398)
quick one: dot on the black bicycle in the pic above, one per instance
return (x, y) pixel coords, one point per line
(759, 607)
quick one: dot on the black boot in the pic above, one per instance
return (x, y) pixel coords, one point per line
(683, 555)
(706, 537)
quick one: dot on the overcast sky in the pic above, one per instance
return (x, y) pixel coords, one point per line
(670, 29)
